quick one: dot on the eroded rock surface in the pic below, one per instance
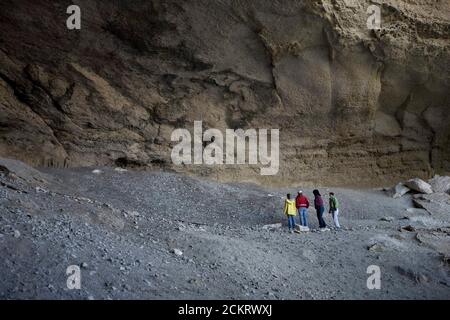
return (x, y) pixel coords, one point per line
(440, 184)
(355, 106)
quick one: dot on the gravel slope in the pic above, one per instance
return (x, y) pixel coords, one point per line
(122, 229)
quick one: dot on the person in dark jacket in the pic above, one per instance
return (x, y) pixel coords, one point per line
(318, 204)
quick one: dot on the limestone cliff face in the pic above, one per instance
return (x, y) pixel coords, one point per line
(354, 106)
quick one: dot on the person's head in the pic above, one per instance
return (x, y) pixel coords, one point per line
(288, 196)
(300, 193)
(316, 192)
(331, 194)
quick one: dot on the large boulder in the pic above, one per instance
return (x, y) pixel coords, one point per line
(419, 185)
(440, 183)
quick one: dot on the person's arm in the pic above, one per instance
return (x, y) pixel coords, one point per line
(285, 207)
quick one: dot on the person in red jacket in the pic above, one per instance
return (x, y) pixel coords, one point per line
(302, 204)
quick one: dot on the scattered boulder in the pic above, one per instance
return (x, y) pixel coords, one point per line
(300, 228)
(417, 211)
(97, 171)
(273, 226)
(177, 252)
(387, 219)
(419, 185)
(121, 170)
(436, 240)
(426, 221)
(399, 190)
(440, 184)
(376, 247)
(435, 204)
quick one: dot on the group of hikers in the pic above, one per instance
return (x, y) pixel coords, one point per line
(301, 204)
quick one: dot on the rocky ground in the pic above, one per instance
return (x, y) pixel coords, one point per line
(159, 235)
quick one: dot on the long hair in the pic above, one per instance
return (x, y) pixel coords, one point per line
(316, 192)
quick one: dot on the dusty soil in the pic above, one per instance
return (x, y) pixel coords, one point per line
(121, 228)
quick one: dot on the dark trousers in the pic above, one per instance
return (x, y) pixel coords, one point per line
(320, 211)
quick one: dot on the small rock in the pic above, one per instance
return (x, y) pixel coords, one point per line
(272, 226)
(417, 211)
(97, 171)
(299, 228)
(387, 219)
(399, 190)
(16, 234)
(376, 247)
(121, 170)
(41, 190)
(84, 265)
(177, 252)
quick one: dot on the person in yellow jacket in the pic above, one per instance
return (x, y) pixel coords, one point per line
(290, 211)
